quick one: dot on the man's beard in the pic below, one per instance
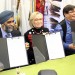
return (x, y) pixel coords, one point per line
(9, 29)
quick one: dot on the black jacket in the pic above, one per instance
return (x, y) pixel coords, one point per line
(14, 33)
(34, 31)
(64, 28)
(28, 38)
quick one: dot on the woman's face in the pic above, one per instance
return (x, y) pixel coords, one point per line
(38, 21)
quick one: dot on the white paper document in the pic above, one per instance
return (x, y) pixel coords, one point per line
(54, 45)
(17, 52)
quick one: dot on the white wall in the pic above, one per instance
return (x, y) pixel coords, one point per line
(24, 13)
(2, 5)
(65, 2)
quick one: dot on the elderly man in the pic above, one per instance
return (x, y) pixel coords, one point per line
(8, 25)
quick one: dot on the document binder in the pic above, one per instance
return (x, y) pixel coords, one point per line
(55, 45)
(13, 52)
(39, 43)
(50, 46)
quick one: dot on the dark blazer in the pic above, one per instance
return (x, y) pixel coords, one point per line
(64, 28)
(14, 33)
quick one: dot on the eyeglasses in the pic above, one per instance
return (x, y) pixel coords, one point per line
(10, 21)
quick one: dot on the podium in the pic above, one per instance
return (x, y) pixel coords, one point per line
(13, 52)
(47, 47)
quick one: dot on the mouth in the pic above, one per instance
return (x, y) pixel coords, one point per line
(10, 27)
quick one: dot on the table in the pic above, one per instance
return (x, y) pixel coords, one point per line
(63, 66)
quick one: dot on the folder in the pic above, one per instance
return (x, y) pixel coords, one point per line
(13, 52)
(49, 45)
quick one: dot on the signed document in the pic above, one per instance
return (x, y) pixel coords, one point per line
(54, 45)
(17, 51)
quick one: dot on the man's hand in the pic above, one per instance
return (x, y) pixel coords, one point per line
(27, 45)
(72, 46)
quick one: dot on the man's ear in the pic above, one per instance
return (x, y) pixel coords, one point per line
(3, 26)
(65, 14)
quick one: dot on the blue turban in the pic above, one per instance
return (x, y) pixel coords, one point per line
(5, 15)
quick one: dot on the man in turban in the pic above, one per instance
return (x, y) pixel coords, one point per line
(7, 29)
(8, 25)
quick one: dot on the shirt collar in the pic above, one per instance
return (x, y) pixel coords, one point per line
(68, 22)
(5, 33)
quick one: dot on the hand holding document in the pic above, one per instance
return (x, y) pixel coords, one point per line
(27, 45)
(44, 33)
(72, 46)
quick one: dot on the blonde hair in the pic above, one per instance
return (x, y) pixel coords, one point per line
(33, 16)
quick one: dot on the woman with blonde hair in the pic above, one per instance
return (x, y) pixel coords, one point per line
(36, 21)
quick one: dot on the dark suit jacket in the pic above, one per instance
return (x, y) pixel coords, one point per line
(14, 33)
(64, 28)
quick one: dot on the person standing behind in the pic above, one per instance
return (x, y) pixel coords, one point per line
(65, 28)
(36, 21)
(8, 26)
